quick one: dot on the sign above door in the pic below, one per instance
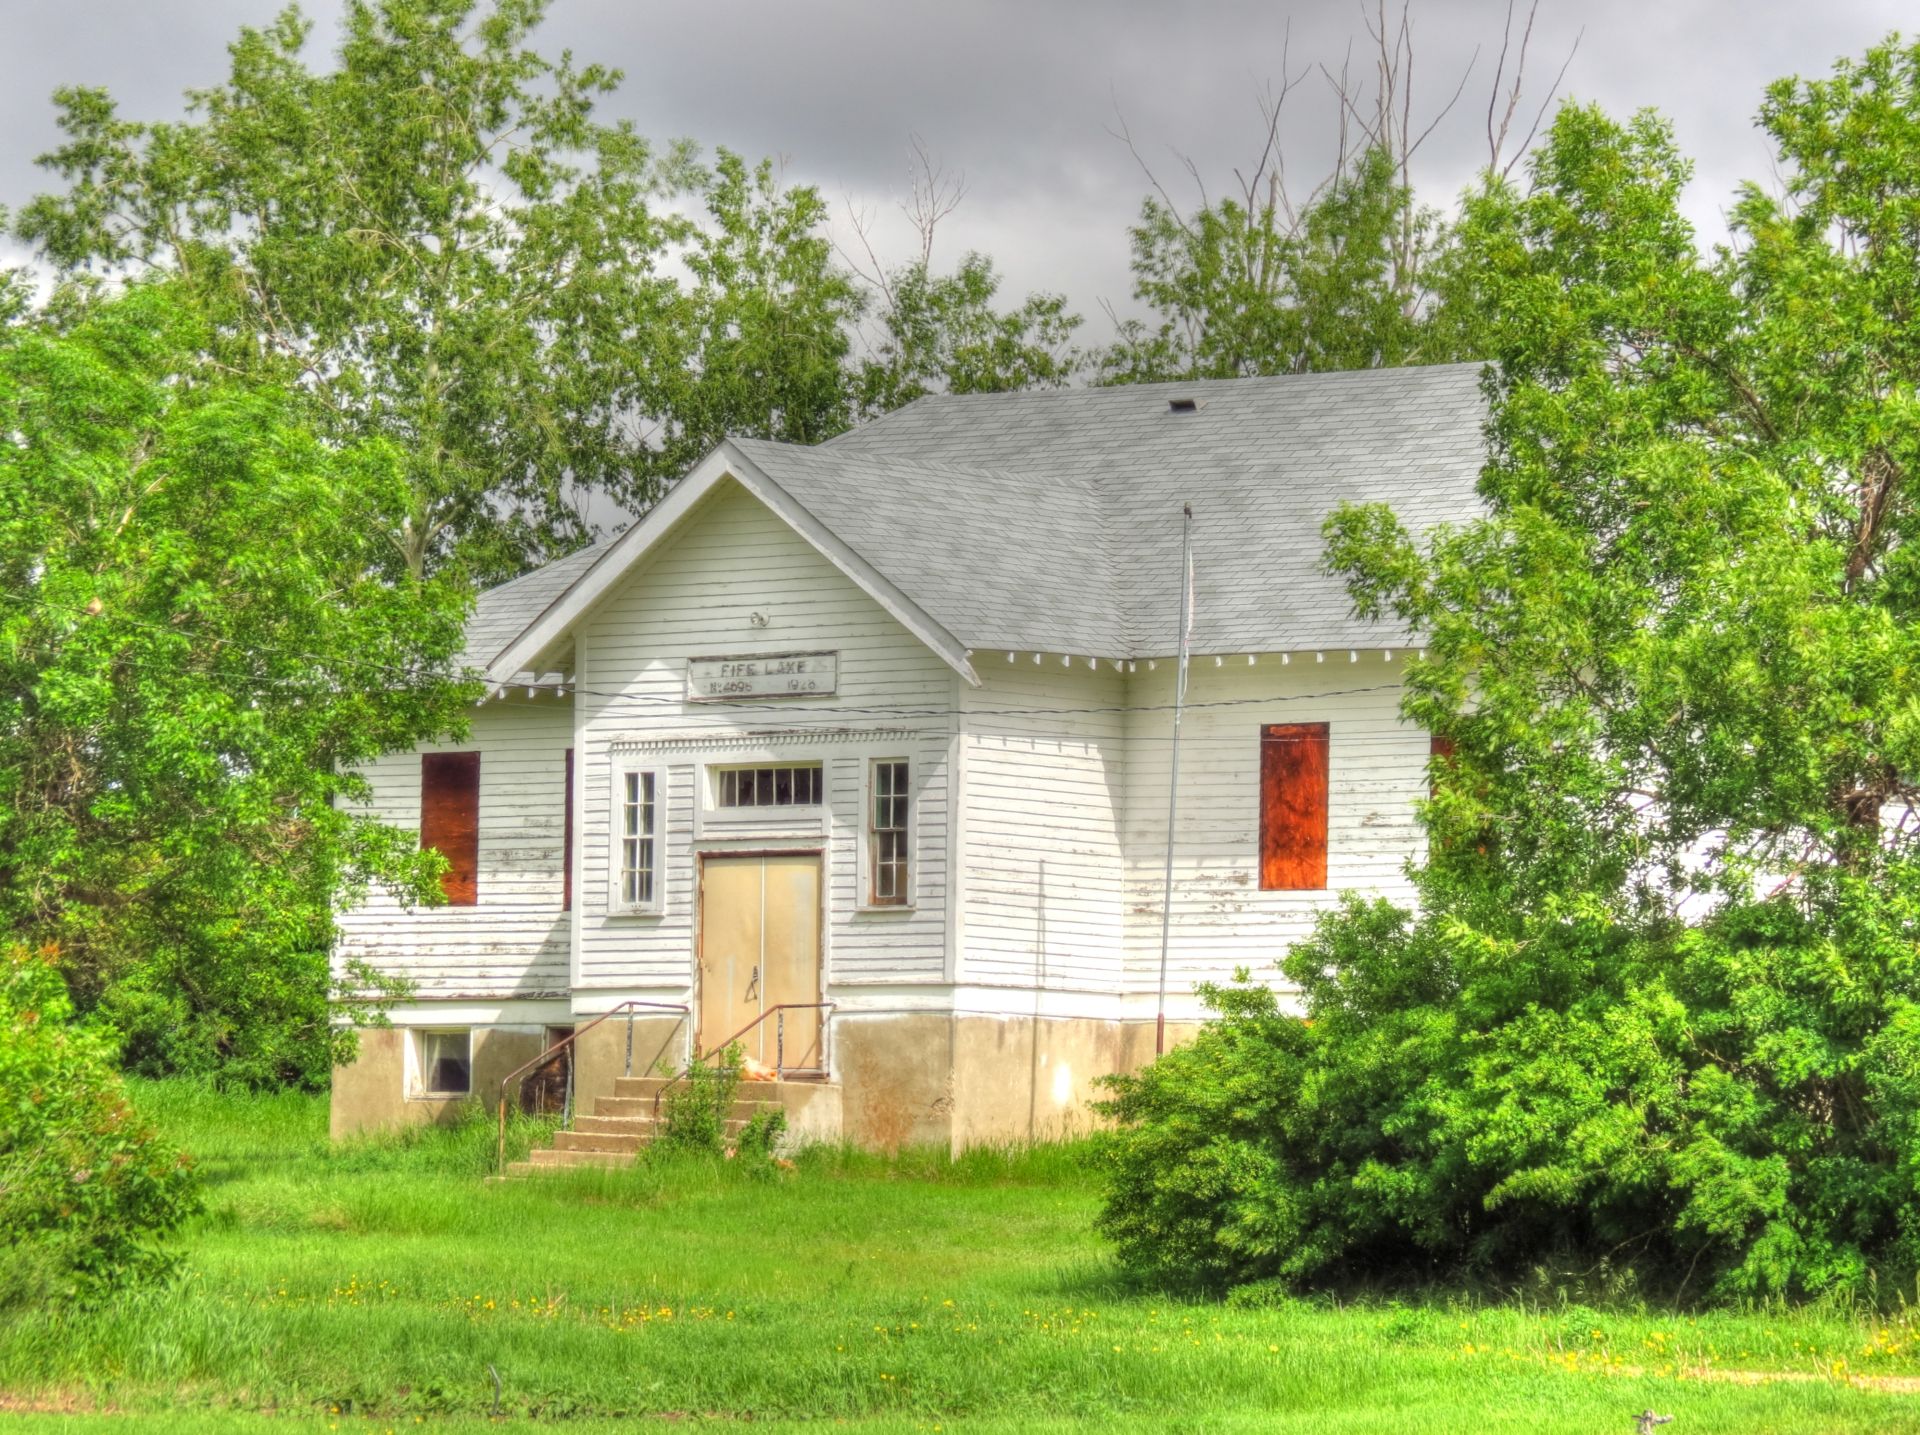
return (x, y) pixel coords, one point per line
(768, 675)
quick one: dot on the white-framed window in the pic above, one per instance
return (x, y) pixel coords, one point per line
(889, 833)
(782, 784)
(442, 1061)
(639, 817)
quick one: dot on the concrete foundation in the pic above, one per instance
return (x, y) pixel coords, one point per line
(951, 1080)
(600, 1055)
(960, 1080)
(814, 1114)
(370, 1094)
(896, 1079)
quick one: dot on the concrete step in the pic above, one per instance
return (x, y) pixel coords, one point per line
(773, 1091)
(550, 1160)
(628, 1108)
(642, 1106)
(615, 1125)
(638, 1085)
(624, 1141)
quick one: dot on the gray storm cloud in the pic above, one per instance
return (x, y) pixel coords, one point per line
(1023, 99)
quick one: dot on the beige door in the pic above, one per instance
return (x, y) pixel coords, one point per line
(760, 947)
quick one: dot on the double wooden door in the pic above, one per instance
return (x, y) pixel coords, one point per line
(759, 948)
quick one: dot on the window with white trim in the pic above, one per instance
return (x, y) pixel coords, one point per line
(794, 784)
(636, 824)
(443, 1062)
(888, 834)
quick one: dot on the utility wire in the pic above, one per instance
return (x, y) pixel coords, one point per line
(650, 702)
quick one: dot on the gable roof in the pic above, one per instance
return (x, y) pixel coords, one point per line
(1050, 521)
(501, 614)
(1002, 558)
(1262, 461)
(538, 643)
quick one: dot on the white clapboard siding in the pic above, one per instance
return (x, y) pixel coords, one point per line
(513, 943)
(1043, 862)
(890, 946)
(1052, 775)
(1221, 918)
(734, 578)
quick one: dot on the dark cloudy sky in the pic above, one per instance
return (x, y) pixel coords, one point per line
(1019, 95)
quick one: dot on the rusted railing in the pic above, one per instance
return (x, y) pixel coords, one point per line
(519, 1074)
(778, 1012)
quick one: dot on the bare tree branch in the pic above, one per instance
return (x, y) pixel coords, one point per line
(1541, 113)
(934, 195)
(1497, 130)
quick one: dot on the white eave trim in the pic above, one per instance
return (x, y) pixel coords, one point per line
(726, 461)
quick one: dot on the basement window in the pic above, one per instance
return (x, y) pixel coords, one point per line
(792, 785)
(443, 1062)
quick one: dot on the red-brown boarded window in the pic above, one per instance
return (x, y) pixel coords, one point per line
(1293, 806)
(566, 843)
(450, 820)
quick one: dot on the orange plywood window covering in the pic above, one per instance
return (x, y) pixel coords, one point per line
(1293, 807)
(566, 843)
(450, 820)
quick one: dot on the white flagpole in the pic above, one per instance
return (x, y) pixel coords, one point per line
(1173, 782)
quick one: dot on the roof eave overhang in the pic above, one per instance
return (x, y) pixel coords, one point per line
(555, 624)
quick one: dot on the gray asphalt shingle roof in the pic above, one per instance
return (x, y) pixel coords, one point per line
(959, 542)
(500, 614)
(1051, 521)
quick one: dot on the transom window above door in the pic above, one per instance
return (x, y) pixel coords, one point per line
(795, 784)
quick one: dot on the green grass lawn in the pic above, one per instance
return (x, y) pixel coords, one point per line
(380, 1286)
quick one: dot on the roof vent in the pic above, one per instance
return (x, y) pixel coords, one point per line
(1184, 406)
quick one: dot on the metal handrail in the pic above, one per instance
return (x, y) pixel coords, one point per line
(779, 1043)
(519, 1074)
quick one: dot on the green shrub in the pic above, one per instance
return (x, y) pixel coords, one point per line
(86, 1188)
(1732, 1111)
(697, 1108)
(757, 1140)
(1657, 1021)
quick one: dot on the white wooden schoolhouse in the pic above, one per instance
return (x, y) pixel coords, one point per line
(874, 737)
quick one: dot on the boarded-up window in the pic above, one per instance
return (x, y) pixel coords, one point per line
(566, 842)
(450, 820)
(1293, 806)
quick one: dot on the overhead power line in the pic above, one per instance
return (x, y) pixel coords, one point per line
(647, 702)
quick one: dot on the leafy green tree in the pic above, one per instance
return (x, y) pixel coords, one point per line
(766, 330)
(1660, 1004)
(941, 333)
(930, 332)
(87, 1190)
(434, 239)
(199, 635)
(14, 297)
(438, 243)
(1242, 287)
(1357, 272)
